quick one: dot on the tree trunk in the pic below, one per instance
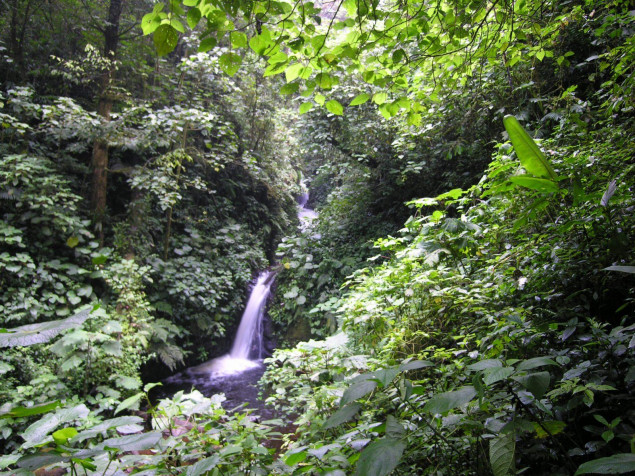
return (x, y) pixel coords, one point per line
(100, 147)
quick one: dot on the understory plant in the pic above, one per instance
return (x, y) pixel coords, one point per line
(497, 339)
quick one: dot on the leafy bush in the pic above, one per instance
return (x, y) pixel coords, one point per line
(516, 298)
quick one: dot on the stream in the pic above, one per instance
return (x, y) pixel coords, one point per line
(237, 373)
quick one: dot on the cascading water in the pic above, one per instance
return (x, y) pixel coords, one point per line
(248, 348)
(249, 340)
(236, 373)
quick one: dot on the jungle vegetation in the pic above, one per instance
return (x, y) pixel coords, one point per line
(463, 305)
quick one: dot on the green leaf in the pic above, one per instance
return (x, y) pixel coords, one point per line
(8, 460)
(537, 383)
(4, 368)
(149, 386)
(165, 39)
(130, 402)
(296, 458)
(238, 39)
(138, 442)
(536, 362)
(342, 415)
(177, 25)
(530, 156)
(360, 386)
(501, 454)
(207, 44)
(203, 466)
(97, 260)
(621, 269)
(485, 364)
(380, 98)
(535, 183)
(360, 99)
(21, 412)
(39, 333)
(38, 460)
(386, 376)
(230, 63)
(494, 375)
(72, 362)
(453, 194)
(445, 402)
(150, 22)
(414, 119)
(415, 365)
(289, 88)
(306, 107)
(129, 383)
(325, 81)
(260, 43)
(293, 71)
(37, 432)
(621, 463)
(380, 457)
(394, 429)
(193, 17)
(62, 436)
(72, 242)
(547, 428)
(335, 107)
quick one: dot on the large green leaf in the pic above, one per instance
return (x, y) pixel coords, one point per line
(165, 39)
(306, 107)
(207, 44)
(20, 412)
(446, 401)
(536, 362)
(260, 43)
(342, 415)
(360, 386)
(617, 464)
(38, 432)
(39, 333)
(335, 107)
(62, 436)
(130, 402)
(33, 462)
(385, 376)
(203, 466)
(193, 17)
(380, 457)
(360, 99)
(150, 22)
(496, 374)
(535, 183)
(530, 156)
(415, 365)
(501, 454)
(138, 442)
(537, 383)
(230, 63)
(485, 364)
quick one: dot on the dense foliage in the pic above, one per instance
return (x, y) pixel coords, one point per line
(486, 329)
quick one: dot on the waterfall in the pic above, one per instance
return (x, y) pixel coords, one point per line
(249, 338)
(247, 349)
(249, 341)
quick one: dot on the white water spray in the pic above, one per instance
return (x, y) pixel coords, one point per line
(249, 340)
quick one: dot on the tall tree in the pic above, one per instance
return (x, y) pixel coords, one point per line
(100, 148)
